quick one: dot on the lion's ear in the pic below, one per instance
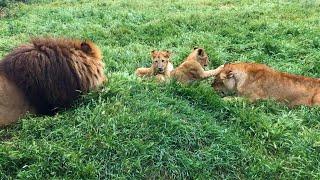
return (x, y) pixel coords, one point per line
(85, 47)
(167, 54)
(230, 74)
(200, 52)
(226, 75)
(153, 53)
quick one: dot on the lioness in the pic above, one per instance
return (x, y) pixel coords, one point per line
(258, 81)
(192, 67)
(161, 66)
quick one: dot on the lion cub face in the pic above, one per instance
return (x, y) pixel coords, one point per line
(160, 61)
(201, 56)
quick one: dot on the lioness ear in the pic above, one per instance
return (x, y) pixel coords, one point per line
(223, 75)
(226, 75)
(85, 47)
(200, 52)
(230, 74)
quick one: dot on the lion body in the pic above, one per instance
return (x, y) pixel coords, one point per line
(50, 74)
(258, 81)
(192, 68)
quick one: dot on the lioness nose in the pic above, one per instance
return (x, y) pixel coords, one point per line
(160, 68)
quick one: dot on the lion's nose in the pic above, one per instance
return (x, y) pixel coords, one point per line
(160, 69)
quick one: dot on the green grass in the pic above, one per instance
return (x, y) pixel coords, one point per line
(137, 129)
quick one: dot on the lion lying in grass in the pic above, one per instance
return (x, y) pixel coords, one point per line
(160, 68)
(192, 67)
(258, 81)
(47, 75)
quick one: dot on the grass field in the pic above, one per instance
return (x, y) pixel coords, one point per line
(137, 129)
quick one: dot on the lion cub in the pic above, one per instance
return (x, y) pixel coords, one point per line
(192, 67)
(258, 81)
(160, 68)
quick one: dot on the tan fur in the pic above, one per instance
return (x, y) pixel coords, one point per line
(258, 81)
(13, 103)
(160, 68)
(47, 75)
(193, 67)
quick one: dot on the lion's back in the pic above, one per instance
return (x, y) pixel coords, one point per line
(47, 72)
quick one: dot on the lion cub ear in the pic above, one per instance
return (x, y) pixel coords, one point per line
(153, 53)
(200, 52)
(167, 54)
(85, 47)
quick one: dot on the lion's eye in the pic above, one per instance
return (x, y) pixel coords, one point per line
(162, 60)
(156, 61)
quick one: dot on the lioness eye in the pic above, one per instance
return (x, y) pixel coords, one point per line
(162, 60)
(156, 61)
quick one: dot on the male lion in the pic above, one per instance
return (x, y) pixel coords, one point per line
(46, 75)
(192, 67)
(258, 81)
(161, 66)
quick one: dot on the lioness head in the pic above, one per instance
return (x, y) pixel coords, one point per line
(225, 82)
(201, 56)
(160, 60)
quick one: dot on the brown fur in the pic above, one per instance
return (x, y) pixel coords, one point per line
(258, 81)
(160, 68)
(193, 67)
(52, 73)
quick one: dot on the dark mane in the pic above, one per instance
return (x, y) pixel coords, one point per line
(45, 72)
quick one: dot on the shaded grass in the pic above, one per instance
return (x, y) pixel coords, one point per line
(138, 129)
